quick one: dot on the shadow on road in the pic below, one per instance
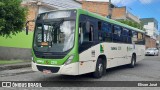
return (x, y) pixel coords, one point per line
(88, 77)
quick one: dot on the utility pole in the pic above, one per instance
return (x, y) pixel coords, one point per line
(109, 10)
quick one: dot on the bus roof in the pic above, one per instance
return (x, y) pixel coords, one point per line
(85, 12)
(81, 11)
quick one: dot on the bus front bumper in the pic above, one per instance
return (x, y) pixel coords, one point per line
(70, 69)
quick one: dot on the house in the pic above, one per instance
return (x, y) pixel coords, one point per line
(103, 9)
(39, 6)
(151, 27)
(150, 42)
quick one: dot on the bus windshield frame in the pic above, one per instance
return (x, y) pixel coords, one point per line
(55, 33)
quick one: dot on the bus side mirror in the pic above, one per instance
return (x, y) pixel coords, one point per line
(27, 27)
(26, 30)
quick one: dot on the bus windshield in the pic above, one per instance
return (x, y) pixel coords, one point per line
(54, 34)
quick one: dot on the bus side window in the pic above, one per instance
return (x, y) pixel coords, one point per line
(140, 40)
(91, 33)
(106, 32)
(116, 34)
(134, 37)
(129, 37)
(86, 32)
(99, 25)
(99, 31)
(81, 32)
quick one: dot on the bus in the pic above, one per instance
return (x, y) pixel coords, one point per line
(76, 42)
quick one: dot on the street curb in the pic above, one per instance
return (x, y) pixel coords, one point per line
(15, 66)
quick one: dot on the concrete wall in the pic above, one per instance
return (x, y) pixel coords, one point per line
(102, 8)
(119, 13)
(150, 42)
(96, 7)
(46, 5)
(43, 9)
(8, 53)
(150, 29)
(130, 16)
(62, 4)
(32, 14)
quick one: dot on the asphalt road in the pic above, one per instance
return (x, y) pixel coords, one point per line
(145, 70)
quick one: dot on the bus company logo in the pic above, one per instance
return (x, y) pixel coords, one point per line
(47, 62)
(6, 84)
(101, 48)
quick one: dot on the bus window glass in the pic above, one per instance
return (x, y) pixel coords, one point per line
(125, 35)
(91, 33)
(116, 34)
(99, 25)
(140, 40)
(87, 31)
(106, 32)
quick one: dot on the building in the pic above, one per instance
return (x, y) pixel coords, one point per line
(123, 13)
(151, 27)
(150, 42)
(97, 7)
(158, 41)
(103, 9)
(39, 6)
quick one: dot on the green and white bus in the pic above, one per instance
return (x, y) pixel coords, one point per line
(76, 41)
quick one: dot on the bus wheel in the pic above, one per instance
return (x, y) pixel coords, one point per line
(99, 69)
(133, 61)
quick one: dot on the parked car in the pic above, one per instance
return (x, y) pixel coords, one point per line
(152, 51)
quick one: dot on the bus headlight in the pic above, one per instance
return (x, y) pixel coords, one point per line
(69, 60)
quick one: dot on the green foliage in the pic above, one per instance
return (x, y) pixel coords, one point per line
(12, 17)
(132, 23)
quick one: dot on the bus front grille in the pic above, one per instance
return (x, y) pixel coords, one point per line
(52, 69)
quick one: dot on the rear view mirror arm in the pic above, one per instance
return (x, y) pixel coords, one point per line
(27, 27)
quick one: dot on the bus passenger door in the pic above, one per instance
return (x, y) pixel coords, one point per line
(86, 38)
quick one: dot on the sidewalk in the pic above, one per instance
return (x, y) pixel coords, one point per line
(15, 66)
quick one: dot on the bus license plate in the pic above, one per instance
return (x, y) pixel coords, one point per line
(46, 71)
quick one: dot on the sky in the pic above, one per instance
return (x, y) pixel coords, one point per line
(140, 8)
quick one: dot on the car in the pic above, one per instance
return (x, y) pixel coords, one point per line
(152, 51)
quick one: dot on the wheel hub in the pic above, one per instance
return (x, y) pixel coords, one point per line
(100, 68)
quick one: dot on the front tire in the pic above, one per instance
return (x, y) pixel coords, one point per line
(99, 69)
(133, 61)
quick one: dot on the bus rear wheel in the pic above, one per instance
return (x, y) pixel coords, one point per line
(99, 69)
(133, 61)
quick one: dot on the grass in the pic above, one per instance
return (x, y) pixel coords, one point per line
(21, 40)
(4, 62)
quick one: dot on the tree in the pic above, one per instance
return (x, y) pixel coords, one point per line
(12, 17)
(132, 23)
